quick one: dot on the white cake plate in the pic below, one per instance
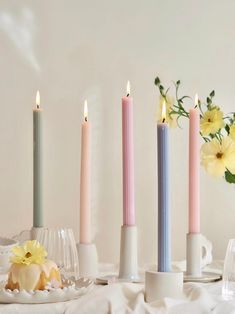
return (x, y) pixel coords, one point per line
(69, 292)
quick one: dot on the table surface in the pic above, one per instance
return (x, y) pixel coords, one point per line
(129, 298)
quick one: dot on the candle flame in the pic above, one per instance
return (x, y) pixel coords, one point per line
(38, 99)
(85, 110)
(128, 88)
(196, 100)
(164, 111)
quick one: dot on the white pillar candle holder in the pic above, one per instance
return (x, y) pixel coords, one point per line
(159, 285)
(128, 269)
(88, 260)
(194, 259)
(35, 232)
(194, 254)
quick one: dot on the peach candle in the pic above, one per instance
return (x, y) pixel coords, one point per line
(194, 169)
(85, 206)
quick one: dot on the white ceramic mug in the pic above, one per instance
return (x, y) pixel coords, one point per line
(6, 246)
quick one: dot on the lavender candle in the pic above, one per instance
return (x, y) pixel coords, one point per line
(128, 160)
(164, 234)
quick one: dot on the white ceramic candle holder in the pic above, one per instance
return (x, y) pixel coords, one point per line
(159, 285)
(88, 260)
(194, 260)
(35, 231)
(128, 268)
(194, 254)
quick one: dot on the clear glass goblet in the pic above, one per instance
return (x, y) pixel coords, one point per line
(228, 286)
(61, 248)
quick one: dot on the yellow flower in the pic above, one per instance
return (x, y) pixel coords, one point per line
(212, 121)
(218, 156)
(32, 252)
(170, 119)
(232, 132)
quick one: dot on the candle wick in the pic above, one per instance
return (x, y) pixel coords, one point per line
(38, 107)
(163, 120)
(128, 95)
(86, 119)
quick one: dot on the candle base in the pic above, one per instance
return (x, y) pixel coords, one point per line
(195, 259)
(88, 260)
(204, 278)
(159, 285)
(113, 278)
(128, 269)
(34, 232)
(194, 254)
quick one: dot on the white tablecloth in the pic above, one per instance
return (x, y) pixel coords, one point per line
(129, 298)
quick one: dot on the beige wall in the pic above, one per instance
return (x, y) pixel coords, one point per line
(72, 50)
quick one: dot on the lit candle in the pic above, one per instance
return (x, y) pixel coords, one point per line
(37, 164)
(164, 234)
(128, 159)
(85, 207)
(194, 169)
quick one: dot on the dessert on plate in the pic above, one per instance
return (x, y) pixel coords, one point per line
(30, 270)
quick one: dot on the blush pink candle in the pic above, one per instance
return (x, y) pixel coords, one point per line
(128, 159)
(194, 170)
(85, 174)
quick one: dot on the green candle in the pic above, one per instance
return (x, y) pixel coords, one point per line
(37, 164)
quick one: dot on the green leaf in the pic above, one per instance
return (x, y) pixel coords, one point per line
(185, 97)
(157, 81)
(177, 120)
(227, 128)
(229, 177)
(167, 90)
(161, 87)
(162, 92)
(212, 94)
(208, 100)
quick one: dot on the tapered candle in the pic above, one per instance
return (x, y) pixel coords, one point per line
(37, 164)
(85, 176)
(128, 159)
(164, 233)
(194, 169)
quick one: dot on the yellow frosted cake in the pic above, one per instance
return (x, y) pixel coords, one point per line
(30, 270)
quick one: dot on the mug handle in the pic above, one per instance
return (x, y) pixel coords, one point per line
(206, 247)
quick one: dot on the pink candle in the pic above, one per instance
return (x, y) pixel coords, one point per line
(85, 209)
(128, 159)
(194, 170)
